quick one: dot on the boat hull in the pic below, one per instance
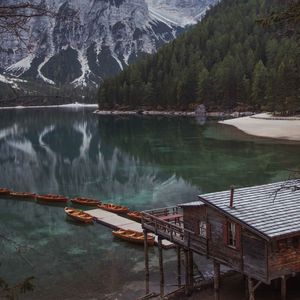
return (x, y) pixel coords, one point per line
(79, 215)
(133, 237)
(137, 216)
(19, 195)
(52, 198)
(86, 201)
(118, 209)
(4, 192)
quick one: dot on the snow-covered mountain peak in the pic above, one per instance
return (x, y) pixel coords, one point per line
(105, 36)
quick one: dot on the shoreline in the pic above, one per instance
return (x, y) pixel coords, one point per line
(266, 126)
(170, 113)
(69, 105)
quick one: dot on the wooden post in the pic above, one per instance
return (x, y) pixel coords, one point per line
(216, 280)
(245, 278)
(146, 255)
(161, 266)
(186, 263)
(178, 266)
(283, 287)
(191, 273)
(251, 289)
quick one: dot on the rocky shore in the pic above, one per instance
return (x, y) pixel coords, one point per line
(172, 113)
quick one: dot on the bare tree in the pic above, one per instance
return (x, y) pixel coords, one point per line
(15, 16)
(292, 183)
(288, 18)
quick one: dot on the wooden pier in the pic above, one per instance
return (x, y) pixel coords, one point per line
(116, 222)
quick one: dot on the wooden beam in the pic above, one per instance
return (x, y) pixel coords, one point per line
(191, 270)
(216, 280)
(283, 287)
(161, 266)
(251, 289)
(186, 263)
(146, 255)
(178, 266)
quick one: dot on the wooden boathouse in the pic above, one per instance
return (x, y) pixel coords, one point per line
(255, 231)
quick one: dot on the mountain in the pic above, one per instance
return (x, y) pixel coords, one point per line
(101, 40)
(227, 61)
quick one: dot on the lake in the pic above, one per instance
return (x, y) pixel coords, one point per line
(141, 162)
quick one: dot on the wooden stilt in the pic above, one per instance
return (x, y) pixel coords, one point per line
(146, 257)
(246, 286)
(216, 280)
(146, 254)
(191, 273)
(186, 263)
(178, 266)
(251, 289)
(283, 287)
(161, 266)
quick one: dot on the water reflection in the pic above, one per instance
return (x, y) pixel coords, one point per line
(139, 162)
(69, 154)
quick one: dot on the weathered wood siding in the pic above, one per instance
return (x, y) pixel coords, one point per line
(250, 257)
(192, 216)
(217, 247)
(284, 257)
(255, 262)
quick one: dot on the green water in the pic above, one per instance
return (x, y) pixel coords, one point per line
(140, 162)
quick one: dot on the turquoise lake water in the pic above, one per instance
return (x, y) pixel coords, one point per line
(141, 162)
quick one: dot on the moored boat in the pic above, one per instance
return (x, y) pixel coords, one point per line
(4, 191)
(51, 198)
(119, 209)
(135, 215)
(133, 236)
(79, 215)
(22, 195)
(86, 201)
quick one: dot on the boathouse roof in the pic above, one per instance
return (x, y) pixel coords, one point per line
(272, 210)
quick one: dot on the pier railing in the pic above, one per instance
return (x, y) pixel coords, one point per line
(168, 224)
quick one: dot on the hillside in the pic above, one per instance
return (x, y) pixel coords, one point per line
(228, 61)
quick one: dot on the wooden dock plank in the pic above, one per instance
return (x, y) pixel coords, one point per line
(115, 221)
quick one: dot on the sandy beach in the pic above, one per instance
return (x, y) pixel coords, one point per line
(264, 125)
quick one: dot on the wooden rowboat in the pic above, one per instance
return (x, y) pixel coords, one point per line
(22, 195)
(51, 198)
(4, 191)
(114, 208)
(78, 215)
(133, 236)
(86, 201)
(135, 215)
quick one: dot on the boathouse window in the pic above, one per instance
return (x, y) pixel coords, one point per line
(232, 233)
(203, 229)
(231, 240)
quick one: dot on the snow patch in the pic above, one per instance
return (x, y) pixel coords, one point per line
(12, 81)
(179, 12)
(85, 70)
(155, 16)
(40, 74)
(22, 65)
(118, 61)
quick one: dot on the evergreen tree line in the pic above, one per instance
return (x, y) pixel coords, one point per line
(228, 61)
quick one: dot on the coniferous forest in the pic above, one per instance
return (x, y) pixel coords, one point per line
(228, 61)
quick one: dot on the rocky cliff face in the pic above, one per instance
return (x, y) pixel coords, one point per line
(104, 37)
